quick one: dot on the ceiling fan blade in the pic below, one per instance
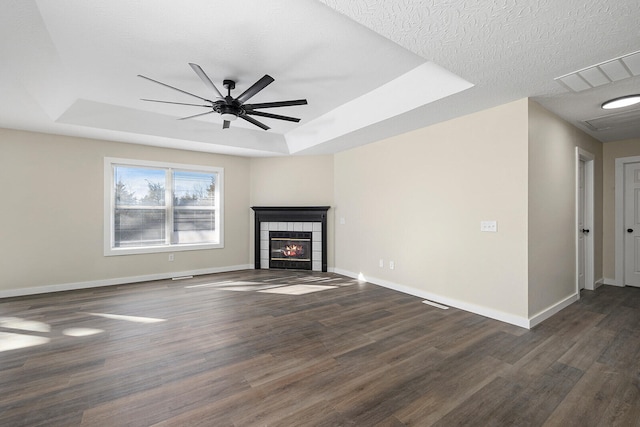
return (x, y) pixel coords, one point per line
(196, 115)
(272, 116)
(171, 102)
(275, 104)
(254, 121)
(257, 87)
(207, 81)
(225, 124)
(175, 88)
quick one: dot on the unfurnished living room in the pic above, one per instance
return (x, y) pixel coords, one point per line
(320, 213)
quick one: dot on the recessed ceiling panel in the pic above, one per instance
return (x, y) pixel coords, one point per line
(601, 74)
(617, 120)
(633, 63)
(575, 82)
(615, 70)
(594, 77)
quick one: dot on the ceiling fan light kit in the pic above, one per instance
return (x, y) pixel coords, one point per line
(231, 108)
(229, 117)
(623, 101)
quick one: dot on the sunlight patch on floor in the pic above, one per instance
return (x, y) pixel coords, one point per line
(272, 279)
(136, 319)
(323, 280)
(81, 332)
(297, 289)
(225, 283)
(311, 279)
(24, 325)
(9, 341)
(245, 288)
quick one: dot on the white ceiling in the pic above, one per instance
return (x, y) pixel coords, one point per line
(369, 68)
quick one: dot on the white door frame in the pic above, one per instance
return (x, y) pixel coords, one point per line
(619, 202)
(588, 159)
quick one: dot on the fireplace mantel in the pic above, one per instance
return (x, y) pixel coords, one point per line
(290, 214)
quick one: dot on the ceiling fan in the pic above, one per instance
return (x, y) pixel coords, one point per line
(231, 108)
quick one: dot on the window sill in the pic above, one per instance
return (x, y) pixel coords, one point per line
(162, 249)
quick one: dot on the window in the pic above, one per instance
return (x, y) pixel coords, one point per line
(157, 207)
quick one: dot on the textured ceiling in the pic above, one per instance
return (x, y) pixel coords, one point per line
(512, 49)
(370, 69)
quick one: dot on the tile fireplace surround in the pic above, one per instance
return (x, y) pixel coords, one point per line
(291, 218)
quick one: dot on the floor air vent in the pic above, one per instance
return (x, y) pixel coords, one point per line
(435, 304)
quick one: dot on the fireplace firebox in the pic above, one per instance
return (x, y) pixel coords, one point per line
(290, 250)
(308, 224)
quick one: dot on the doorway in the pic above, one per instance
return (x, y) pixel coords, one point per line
(631, 224)
(584, 220)
(627, 232)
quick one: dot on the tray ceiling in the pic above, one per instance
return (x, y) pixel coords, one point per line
(369, 69)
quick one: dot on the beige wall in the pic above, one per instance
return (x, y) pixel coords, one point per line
(52, 216)
(293, 181)
(418, 199)
(552, 226)
(613, 151)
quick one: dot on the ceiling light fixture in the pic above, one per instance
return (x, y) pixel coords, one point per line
(623, 101)
(229, 112)
(228, 116)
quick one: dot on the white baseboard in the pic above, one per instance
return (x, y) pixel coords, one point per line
(116, 281)
(612, 282)
(598, 283)
(550, 311)
(473, 308)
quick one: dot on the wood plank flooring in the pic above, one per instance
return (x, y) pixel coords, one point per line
(265, 348)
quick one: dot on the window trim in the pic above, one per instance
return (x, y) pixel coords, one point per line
(109, 204)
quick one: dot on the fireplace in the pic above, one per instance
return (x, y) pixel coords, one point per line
(291, 237)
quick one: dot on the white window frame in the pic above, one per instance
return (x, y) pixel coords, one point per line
(109, 205)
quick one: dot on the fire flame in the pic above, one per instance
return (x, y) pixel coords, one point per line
(293, 250)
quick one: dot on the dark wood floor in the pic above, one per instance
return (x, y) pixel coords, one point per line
(233, 350)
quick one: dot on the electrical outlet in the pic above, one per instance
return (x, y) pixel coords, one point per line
(170, 257)
(392, 265)
(381, 263)
(342, 221)
(489, 226)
